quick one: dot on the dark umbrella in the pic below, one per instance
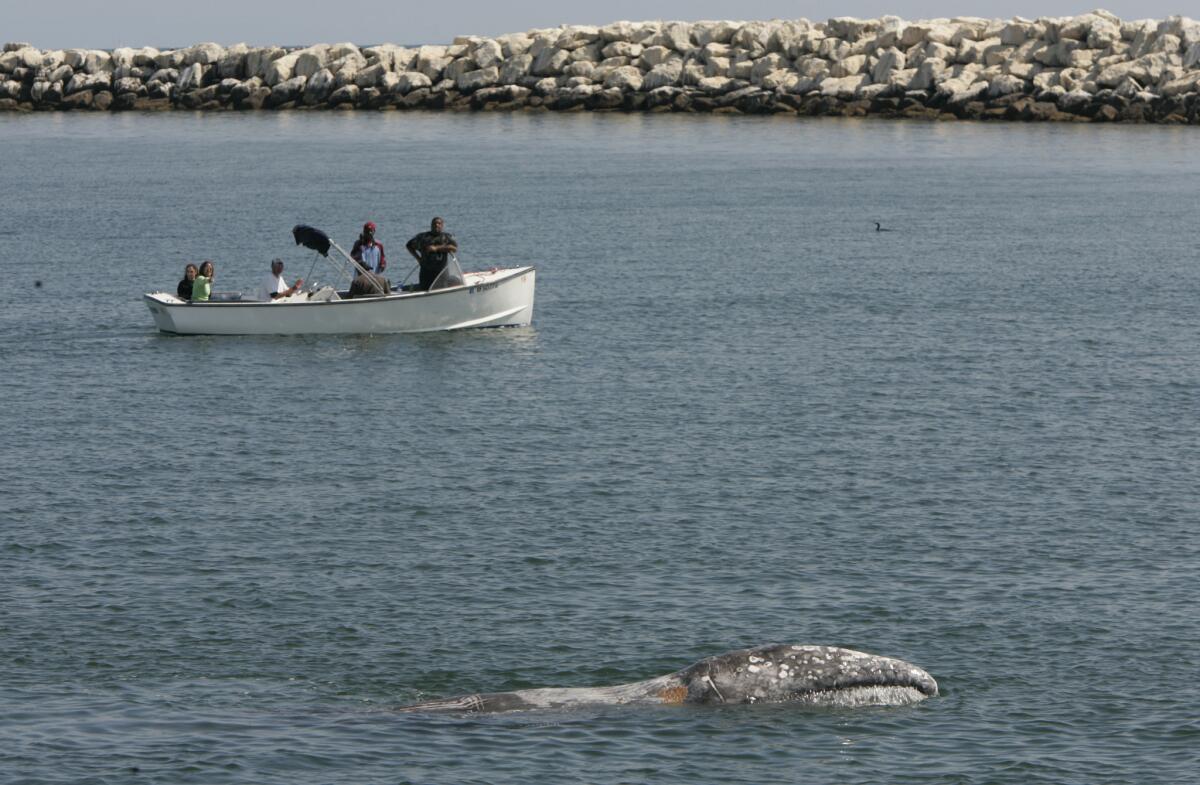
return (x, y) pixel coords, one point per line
(313, 238)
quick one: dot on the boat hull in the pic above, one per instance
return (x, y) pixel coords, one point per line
(500, 298)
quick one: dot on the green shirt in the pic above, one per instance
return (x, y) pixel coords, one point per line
(201, 289)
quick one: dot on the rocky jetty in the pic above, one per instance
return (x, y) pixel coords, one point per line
(1093, 67)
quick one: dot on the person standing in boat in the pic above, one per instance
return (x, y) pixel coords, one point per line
(273, 286)
(202, 286)
(368, 251)
(184, 290)
(431, 250)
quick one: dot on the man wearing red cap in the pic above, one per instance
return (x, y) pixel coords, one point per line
(367, 251)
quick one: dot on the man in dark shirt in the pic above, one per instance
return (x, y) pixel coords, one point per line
(431, 250)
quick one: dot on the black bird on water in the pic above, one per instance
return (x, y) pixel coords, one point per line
(879, 228)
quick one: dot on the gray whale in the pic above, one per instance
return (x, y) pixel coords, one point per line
(809, 675)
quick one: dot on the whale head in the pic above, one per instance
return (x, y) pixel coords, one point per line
(815, 675)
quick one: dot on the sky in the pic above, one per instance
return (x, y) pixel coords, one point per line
(105, 25)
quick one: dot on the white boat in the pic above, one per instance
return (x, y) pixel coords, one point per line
(491, 298)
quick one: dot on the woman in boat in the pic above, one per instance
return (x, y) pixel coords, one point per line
(184, 289)
(202, 286)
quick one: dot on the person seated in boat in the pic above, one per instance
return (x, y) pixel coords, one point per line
(368, 251)
(369, 285)
(184, 290)
(431, 250)
(202, 286)
(273, 286)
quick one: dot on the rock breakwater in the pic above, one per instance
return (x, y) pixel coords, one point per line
(1093, 67)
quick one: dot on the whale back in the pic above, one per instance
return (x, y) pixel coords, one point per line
(825, 675)
(816, 675)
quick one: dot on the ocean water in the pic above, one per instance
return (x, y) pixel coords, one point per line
(741, 416)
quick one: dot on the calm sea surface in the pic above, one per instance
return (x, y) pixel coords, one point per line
(741, 416)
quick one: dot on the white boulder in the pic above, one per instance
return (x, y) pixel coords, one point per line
(812, 68)
(1006, 84)
(280, 70)
(677, 36)
(889, 60)
(514, 44)
(370, 76)
(589, 53)
(1026, 71)
(580, 68)
(656, 55)
(628, 78)
(487, 53)
(780, 81)
(717, 66)
(789, 38)
(98, 62)
(941, 33)
(902, 78)
(204, 54)
(888, 32)
(577, 36)
(717, 85)
(412, 80)
(515, 68)
(61, 74)
(617, 31)
(1015, 33)
(128, 85)
(767, 64)
(471, 81)
(76, 58)
(122, 57)
(971, 92)
(913, 34)
(346, 49)
(258, 60)
(319, 86)
(849, 28)
(845, 86)
(753, 37)
(311, 60)
(550, 61)
(431, 60)
(622, 49)
(663, 75)
(346, 94)
(1187, 84)
(346, 69)
(191, 77)
(972, 51)
(848, 66)
(233, 61)
(714, 32)
(833, 49)
(692, 74)
(1103, 34)
(927, 75)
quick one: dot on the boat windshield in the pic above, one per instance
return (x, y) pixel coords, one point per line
(451, 275)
